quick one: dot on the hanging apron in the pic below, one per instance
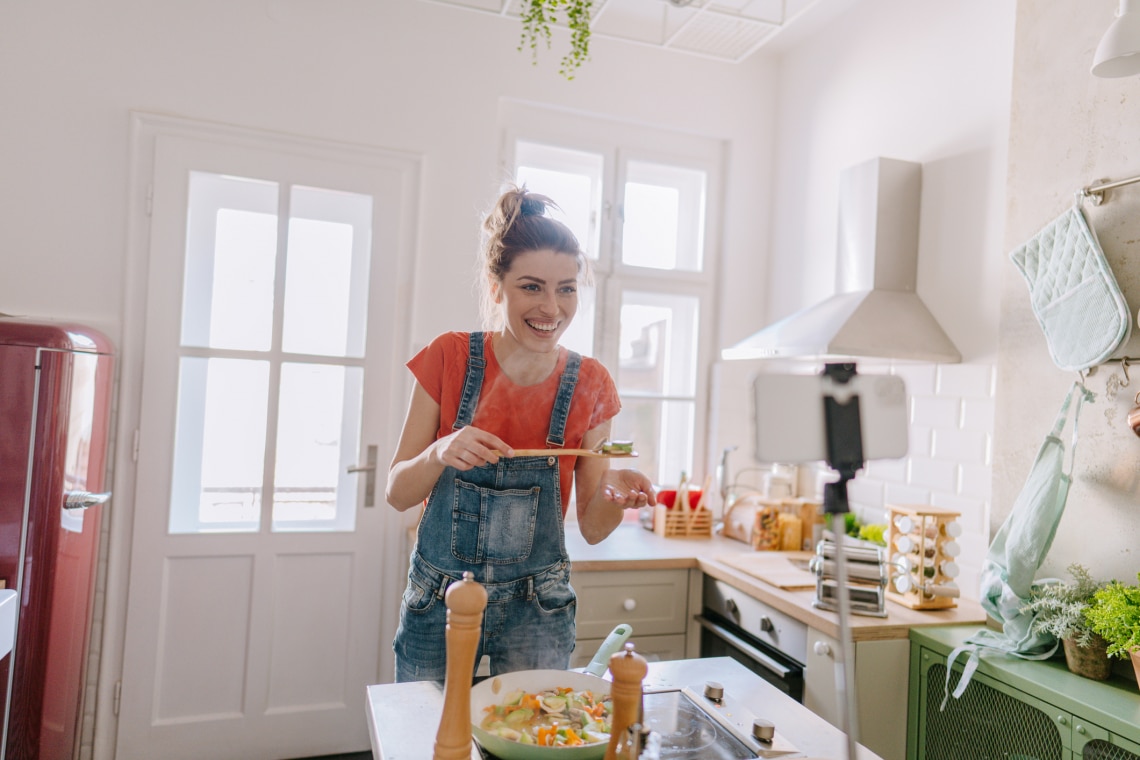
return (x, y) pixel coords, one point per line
(503, 523)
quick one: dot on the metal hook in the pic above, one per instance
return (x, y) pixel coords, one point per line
(1124, 366)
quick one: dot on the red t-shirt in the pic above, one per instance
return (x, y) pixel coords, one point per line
(520, 415)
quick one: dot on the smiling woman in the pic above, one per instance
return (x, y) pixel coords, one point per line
(479, 401)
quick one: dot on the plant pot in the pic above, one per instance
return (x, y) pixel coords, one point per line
(1135, 655)
(1091, 661)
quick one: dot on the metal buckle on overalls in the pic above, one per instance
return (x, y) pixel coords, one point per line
(443, 584)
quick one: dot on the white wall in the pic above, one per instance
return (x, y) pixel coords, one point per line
(398, 74)
(1068, 130)
(927, 82)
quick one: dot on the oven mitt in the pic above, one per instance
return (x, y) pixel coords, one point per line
(1073, 294)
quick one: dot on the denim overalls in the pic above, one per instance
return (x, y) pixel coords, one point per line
(502, 522)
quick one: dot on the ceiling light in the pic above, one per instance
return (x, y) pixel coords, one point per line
(1118, 54)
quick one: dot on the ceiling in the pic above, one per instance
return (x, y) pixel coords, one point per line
(724, 30)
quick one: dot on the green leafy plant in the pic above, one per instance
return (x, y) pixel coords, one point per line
(1059, 608)
(1115, 614)
(539, 15)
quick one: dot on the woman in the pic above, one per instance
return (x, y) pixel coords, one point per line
(478, 397)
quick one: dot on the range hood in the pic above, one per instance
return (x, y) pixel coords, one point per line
(875, 312)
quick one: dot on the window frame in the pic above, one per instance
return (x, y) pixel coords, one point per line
(620, 143)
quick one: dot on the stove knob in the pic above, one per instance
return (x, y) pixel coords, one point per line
(732, 609)
(764, 730)
(714, 691)
(766, 624)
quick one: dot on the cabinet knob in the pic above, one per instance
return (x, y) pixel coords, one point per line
(629, 605)
(1080, 729)
(822, 648)
(1062, 720)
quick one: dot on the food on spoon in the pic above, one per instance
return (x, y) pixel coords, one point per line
(617, 447)
(559, 717)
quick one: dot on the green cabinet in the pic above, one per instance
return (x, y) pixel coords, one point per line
(1014, 709)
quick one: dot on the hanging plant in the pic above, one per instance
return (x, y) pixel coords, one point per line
(539, 15)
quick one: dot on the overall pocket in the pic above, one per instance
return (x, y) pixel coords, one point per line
(490, 525)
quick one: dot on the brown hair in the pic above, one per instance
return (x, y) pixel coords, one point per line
(519, 223)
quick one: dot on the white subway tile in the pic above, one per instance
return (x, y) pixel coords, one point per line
(866, 492)
(933, 474)
(972, 512)
(936, 411)
(965, 446)
(891, 470)
(966, 380)
(975, 482)
(978, 414)
(920, 441)
(920, 379)
(902, 494)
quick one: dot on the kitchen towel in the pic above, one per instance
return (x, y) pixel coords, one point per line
(1018, 550)
(1073, 293)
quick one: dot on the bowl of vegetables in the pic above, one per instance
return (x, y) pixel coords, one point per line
(542, 714)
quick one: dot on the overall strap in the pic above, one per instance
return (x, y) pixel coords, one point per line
(556, 435)
(473, 382)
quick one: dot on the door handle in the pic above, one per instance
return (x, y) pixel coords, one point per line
(83, 499)
(370, 476)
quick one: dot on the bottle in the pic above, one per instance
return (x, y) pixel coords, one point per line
(904, 524)
(948, 568)
(950, 549)
(952, 529)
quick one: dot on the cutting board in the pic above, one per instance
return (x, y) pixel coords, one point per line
(774, 568)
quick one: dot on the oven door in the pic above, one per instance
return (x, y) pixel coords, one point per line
(720, 637)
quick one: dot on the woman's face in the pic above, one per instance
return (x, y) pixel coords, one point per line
(539, 297)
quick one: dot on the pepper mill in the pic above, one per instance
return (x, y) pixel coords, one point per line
(629, 668)
(465, 601)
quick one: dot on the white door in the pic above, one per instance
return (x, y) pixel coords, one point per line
(273, 342)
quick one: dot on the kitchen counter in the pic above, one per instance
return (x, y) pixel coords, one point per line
(631, 547)
(403, 718)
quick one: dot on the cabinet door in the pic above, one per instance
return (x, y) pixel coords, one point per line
(652, 648)
(652, 602)
(1091, 742)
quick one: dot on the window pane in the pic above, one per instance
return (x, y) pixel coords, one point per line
(658, 344)
(219, 448)
(318, 427)
(572, 179)
(231, 253)
(663, 433)
(663, 217)
(327, 272)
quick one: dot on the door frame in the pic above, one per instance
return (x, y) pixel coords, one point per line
(109, 626)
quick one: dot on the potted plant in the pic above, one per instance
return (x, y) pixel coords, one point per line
(538, 15)
(1059, 609)
(1115, 615)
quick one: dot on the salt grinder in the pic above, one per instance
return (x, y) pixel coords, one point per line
(465, 602)
(628, 668)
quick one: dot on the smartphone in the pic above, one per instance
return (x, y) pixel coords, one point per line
(790, 426)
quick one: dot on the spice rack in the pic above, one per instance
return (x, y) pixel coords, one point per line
(923, 551)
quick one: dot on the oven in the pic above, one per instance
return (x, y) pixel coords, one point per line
(761, 638)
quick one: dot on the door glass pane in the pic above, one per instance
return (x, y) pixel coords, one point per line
(326, 274)
(663, 433)
(318, 429)
(231, 254)
(658, 344)
(572, 179)
(219, 447)
(663, 215)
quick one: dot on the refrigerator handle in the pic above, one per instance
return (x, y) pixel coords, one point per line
(83, 499)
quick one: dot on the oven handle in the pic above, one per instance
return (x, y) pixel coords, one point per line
(743, 646)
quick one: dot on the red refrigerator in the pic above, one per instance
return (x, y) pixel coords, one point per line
(55, 410)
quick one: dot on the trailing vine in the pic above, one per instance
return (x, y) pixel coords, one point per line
(537, 18)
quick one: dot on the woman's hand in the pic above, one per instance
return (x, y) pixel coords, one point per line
(470, 447)
(628, 489)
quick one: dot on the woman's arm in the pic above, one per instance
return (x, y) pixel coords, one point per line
(420, 459)
(603, 494)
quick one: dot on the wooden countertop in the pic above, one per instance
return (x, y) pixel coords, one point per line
(631, 547)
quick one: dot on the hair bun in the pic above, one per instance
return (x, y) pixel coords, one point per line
(531, 205)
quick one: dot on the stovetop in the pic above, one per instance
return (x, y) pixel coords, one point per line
(691, 725)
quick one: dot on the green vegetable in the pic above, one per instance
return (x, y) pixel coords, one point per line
(873, 533)
(617, 447)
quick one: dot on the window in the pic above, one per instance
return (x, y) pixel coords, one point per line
(271, 356)
(637, 199)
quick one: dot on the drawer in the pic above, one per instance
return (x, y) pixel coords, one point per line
(652, 648)
(652, 602)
